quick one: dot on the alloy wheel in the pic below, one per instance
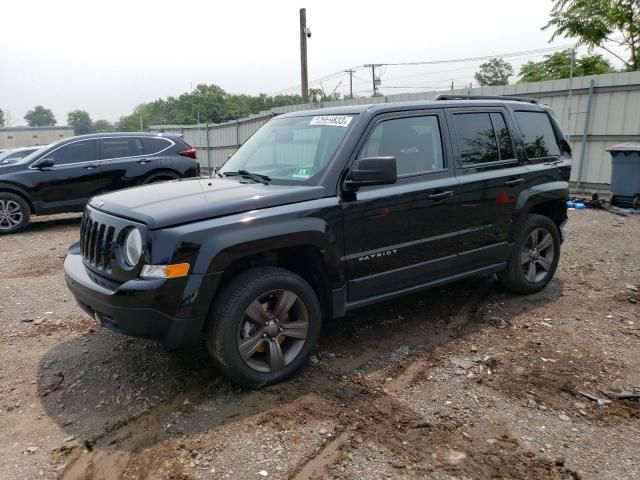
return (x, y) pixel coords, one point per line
(10, 214)
(536, 258)
(273, 330)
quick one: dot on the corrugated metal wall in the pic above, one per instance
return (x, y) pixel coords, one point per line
(614, 118)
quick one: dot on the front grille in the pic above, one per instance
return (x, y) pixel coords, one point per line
(96, 243)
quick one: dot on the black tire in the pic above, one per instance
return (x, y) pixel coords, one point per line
(14, 213)
(519, 275)
(229, 326)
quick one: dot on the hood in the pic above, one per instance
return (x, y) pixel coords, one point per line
(12, 167)
(161, 205)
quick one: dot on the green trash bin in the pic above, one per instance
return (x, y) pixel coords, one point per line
(625, 174)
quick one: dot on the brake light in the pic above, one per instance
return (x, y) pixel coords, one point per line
(191, 153)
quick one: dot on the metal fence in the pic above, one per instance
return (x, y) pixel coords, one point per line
(597, 111)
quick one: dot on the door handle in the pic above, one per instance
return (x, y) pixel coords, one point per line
(440, 195)
(91, 167)
(514, 181)
(143, 162)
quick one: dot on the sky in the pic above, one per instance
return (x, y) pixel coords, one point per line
(108, 57)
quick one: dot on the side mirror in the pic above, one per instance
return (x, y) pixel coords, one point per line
(372, 171)
(45, 163)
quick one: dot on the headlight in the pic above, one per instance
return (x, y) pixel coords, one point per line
(133, 247)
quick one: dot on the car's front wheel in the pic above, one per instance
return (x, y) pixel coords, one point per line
(263, 326)
(14, 213)
(534, 257)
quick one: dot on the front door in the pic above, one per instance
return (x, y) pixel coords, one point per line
(73, 179)
(404, 235)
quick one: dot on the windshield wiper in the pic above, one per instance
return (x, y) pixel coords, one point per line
(256, 177)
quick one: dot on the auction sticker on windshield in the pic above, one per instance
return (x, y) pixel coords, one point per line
(303, 172)
(332, 120)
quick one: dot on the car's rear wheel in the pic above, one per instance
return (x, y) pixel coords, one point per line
(535, 255)
(14, 213)
(263, 326)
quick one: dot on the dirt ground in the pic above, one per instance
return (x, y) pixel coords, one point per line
(466, 381)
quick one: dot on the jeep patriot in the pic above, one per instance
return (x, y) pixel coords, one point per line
(321, 212)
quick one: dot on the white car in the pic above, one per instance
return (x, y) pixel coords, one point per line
(13, 155)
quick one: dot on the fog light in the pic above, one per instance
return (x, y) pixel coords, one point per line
(164, 271)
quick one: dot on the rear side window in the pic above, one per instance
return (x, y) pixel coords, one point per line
(154, 144)
(414, 141)
(538, 136)
(482, 138)
(83, 151)
(120, 147)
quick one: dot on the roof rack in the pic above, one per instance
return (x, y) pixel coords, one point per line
(487, 97)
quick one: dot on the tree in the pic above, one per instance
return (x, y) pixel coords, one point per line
(40, 117)
(1, 118)
(206, 103)
(558, 65)
(80, 121)
(597, 22)
(317, 95)
(101, 126)
(494, 72)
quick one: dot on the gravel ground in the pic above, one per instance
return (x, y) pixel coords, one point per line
(466, 381)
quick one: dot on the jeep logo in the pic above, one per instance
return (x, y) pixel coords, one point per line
(373, 256)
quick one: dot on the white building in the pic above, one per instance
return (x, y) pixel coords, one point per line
(12, 137)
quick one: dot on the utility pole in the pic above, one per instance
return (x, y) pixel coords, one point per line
(375, 82)
(573, 60)
(141, 126)
(303, 55)
(350, 72)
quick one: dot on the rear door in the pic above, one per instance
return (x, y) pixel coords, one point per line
(401, 236)
(74, 178)
(124, 162)
(491, 174)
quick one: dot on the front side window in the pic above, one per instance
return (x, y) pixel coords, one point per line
(539, 139)
(294, 148)
(414, 142)
(83, 151)
(120, 147)
(482, 138)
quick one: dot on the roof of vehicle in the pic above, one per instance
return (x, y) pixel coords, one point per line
(123, 134)
(20, 149)
(414, 105)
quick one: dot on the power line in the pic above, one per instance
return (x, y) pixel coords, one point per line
(382, 67)
(484, 57)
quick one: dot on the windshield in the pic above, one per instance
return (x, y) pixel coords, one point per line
(294, 148)
(14, 157)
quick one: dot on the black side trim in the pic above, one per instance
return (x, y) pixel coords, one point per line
(402, 277)
(338, 302)
(489, 254)
(49, 208)
(442, 281)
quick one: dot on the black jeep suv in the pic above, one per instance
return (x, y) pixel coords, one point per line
(63, 176)
(321, 212)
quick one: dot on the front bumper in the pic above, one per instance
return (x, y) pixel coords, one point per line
(172, 312)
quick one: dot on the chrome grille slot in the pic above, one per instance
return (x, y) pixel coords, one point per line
(98, 257)
(93, 230)
(96, 244)
(101, 237)
(108, 244)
